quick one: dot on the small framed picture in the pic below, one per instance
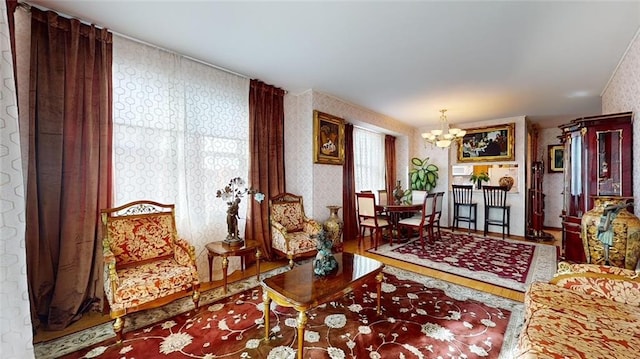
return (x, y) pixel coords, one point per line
(328, 134)
(556, 158)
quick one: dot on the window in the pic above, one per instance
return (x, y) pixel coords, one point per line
(181, 132)
(369, 160)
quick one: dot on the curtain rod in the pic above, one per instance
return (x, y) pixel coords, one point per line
(27, 7)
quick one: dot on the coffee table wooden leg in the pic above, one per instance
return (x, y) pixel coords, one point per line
(267, 312)
(302, 322)
(379, 279)
(225, 264)
(258, 255)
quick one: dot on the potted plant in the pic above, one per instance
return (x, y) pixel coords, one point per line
(478, 178)
(422, 177)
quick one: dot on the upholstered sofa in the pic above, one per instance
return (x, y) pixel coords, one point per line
(586, 311)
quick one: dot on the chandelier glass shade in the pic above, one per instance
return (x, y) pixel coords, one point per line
(444, 136)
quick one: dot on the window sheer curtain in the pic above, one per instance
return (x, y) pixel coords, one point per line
(369, 160)
(181, 132)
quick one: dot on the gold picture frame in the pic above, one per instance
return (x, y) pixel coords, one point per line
(486, 144)
(555, 158)
(328, 139)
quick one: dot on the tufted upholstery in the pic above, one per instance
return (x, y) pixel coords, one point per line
(292, 232)
(586, 311)
(146, 265)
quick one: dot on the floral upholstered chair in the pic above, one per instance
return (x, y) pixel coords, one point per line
(146, 265)
(293, 234)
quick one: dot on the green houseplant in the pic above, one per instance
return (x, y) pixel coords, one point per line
(478, 178)
(424, 175)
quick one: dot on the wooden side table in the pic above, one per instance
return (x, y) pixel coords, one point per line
(224, 250)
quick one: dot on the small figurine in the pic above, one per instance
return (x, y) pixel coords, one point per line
(325, 263)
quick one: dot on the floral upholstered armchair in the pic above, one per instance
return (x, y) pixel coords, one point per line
(586, 311)
(293, 234)
(146, 265)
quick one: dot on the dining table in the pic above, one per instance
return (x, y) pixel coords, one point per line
(396, 211)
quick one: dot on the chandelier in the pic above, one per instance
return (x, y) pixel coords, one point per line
(441, 138)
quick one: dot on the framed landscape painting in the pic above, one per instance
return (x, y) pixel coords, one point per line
(328, 135)
(493, 143)
(555, 162)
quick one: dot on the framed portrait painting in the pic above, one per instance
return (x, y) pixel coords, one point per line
(494, 143)
(555, 162)
(328, 135)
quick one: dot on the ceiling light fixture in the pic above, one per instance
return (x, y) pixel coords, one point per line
(441, 138)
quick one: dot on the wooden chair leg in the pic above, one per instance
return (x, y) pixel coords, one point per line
(118, 324)
(196, 298)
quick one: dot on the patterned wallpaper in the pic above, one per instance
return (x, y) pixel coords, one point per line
(15, 318)
(552, 183)
(622, 94)
(321, 185)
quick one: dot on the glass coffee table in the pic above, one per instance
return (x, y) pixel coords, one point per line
(301, 289)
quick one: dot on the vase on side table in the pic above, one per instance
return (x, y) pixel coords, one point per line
(333, 227)
(621, 246)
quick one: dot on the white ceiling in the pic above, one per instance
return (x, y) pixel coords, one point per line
(482, 60)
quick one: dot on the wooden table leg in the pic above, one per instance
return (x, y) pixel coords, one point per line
(379, 279)
(258, 255)
(225, 264)
(267, 312)
(302, 322)
(210, 258)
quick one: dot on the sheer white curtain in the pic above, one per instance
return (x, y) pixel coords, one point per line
(181, 131)
(369, 160)
(16, 339)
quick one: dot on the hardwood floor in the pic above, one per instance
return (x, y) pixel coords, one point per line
(93, 318)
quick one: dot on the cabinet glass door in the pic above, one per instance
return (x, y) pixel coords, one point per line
(609, 165)
(573, 192)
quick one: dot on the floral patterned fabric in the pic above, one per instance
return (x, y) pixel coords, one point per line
(289, 215)
(144, 260)
(133, 239)
(594, 313)
(142, 284)
(291, 230)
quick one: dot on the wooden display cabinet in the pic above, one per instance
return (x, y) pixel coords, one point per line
(597, 162)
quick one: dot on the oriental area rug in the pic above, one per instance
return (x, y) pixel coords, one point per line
(421, 318)
(503, 262)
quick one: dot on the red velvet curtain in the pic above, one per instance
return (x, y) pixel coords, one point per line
(350, 229)
(266, 171)
(390, 163)
(69, 165)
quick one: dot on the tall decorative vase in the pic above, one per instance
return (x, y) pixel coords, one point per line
(333, 227)
(619, 247)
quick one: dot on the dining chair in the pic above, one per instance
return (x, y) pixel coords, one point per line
(369, 217)
(438, 212)
(463, 200)
(495, 201)
(383, 198)
(425, 221)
